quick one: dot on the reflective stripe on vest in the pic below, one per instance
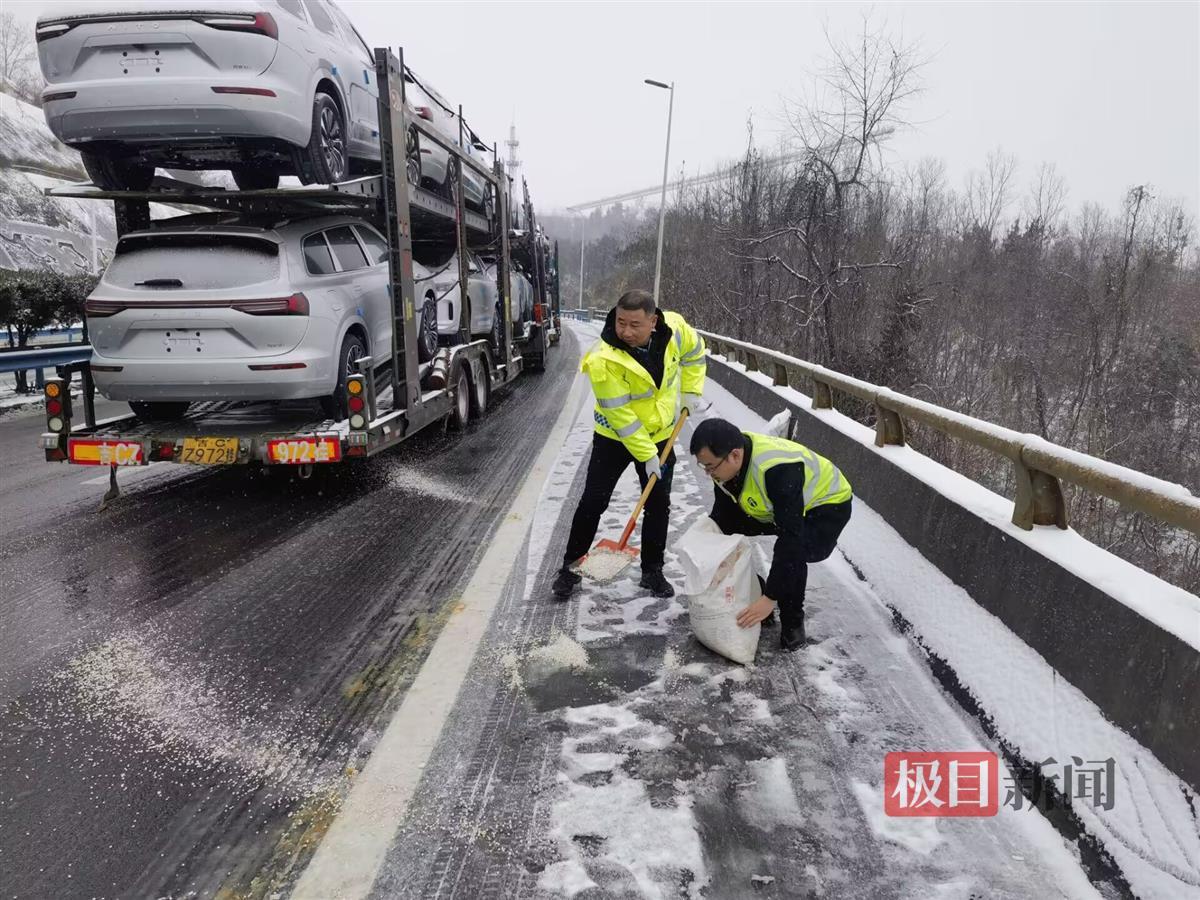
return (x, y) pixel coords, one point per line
(823, 482)
(634, 391)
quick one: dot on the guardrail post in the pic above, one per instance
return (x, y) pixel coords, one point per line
(1039, 499)
(822, 395)
(751, 361)
(889, 427)
(781, 375)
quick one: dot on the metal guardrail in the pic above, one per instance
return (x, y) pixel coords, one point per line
(43, 357)
(1040, 466)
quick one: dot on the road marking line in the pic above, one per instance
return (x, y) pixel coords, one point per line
(354, 849)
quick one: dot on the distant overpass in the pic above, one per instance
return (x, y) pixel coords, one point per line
(769, 162)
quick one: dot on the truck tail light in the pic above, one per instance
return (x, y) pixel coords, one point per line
(356, 401)
(58, 405)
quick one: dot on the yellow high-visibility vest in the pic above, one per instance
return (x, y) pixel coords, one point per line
(629, 406)
(823, 481)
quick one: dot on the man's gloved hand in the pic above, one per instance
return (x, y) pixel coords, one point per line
(653, 467)
(696, 405)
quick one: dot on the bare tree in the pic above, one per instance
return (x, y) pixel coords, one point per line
(989, 192)
(1047, 197)
(857, 104)
(17, 53)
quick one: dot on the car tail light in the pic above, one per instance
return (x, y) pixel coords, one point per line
(52, 30)
(257, 23)
(98, 309)
(295, 305)
(257, 92)
(424, 112)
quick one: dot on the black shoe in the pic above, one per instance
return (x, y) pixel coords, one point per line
(791, 636)
(656, 584)
(565, 583)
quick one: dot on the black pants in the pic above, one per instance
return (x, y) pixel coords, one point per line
(609, 461)
(822, 527)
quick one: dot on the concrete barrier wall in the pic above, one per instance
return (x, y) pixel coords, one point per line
(1144, 679)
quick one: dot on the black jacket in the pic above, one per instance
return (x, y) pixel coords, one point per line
(784, 484)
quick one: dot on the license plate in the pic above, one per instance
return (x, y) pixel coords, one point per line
(210, 451)
(91, 452)
(298, 451)
(183, 344)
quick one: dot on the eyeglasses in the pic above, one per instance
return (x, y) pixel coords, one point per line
(709, 469)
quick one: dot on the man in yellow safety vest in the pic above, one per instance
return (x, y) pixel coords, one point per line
(769, 485)
(646, 367)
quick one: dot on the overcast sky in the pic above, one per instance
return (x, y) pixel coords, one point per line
(1109, 92)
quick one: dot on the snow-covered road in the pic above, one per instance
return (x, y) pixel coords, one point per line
(597, 750)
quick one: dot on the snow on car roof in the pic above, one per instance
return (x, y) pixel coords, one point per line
(81, 10)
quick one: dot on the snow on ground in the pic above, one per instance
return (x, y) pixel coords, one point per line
(25, 139)
(1152, 830)
(1169, 607)
(703, 778)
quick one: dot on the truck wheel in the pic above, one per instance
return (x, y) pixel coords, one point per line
(412, 154)
(451, 186)
(482, 394)
(353, 349)
(460, 412)
(427, 337)
(497, 330)
(112, 173)
(326, 157)
(158, 410)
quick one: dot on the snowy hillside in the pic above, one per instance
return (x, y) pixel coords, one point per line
(37, 231)
(25, 140)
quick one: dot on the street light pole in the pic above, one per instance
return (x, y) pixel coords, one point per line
(582, 241)
(662, 209)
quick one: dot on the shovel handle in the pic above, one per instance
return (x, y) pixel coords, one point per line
(662, 461)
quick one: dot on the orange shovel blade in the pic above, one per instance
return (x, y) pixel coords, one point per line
(607, 560)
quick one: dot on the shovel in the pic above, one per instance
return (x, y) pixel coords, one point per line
(610, 558)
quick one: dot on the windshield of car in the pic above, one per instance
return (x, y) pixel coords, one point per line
(195, 261)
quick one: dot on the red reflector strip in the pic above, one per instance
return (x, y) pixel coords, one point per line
(91, 452)
(57, 95)
(257, 92)
(279, 366)
(96, 368)
(298, 451)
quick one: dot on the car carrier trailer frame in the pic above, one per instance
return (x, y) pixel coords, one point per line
(384, 406)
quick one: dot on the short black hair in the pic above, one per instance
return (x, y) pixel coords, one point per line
(719, 436)
(638, 299)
